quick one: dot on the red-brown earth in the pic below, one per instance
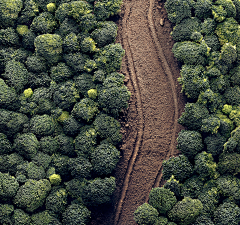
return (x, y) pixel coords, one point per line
(149, 125)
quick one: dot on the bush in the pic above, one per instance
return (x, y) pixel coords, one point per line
(193, 115)
(191, 53)
(189, 143)
(192, 187)
(205, 165)
(146, 214)
(98, 191)
(178, 10)
(162, 199)
(104, 158)
(32, 194)
(227, 213)
(179, 166)
(186, 211)
(76, 214)
(108, 128)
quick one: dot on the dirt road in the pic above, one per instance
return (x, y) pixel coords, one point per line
(150, 124)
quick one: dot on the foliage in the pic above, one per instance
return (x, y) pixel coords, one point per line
(31, 171)
(178, 9)
(210, 125)
(36, 64)
(9, 11)
(32, 194)
(207, 175)
(60, 164)
(108, 128)
(49, 46)
(203, 8)
(228, 6)
(208, 26)
(12, 122)
(48, 145)
(203, 220)
(227, 213)
(84, 82)
(146, 214)
(42, 125)
(60, 72)
(193, 115)
(16, 75)
(173, 185)
(55, 179)
(162, 199)
(5, 213)
(44, 217)
(215, 144)
(20, 217)
(85, 141)
(193, 80)
(98, 191)
(39, 102)
(9, 99)
(51, 153)
(104, 158)
(80, 167)
(229, 163)
(105, 33)
(205, 165)
(113, 96)
(9, 37)
(210, 199)
(71, 126)
(103, 9)
(8, 186)
(191, 53)
(10, 162)
(57, 200)
(228, 31)
(192, 187)
(189, 143)
(178, 166)
(186, 211)
(228, 54)
(44, 23)
(86, 109)
(228, 187)
(71, 43)
(212, 41)
(5, 144)
(65, 95)
(109, 58)
(76, 214)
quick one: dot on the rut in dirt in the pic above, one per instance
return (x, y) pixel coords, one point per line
(169, 73)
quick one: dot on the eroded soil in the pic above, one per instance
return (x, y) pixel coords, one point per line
(150, 125)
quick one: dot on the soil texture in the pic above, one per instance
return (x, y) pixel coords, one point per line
(149, 125)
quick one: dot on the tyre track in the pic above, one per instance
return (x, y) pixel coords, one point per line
(133, 77)
(169, 74)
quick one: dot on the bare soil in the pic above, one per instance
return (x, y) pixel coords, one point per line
(149, 125)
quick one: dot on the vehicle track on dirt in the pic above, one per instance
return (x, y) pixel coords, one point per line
(134, 79)
(169, 73)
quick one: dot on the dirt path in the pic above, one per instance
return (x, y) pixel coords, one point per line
(156, 103)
